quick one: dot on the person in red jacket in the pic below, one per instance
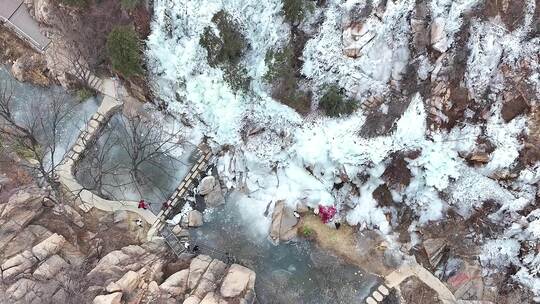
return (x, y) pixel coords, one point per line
(326, 213)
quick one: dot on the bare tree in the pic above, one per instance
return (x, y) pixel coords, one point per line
(34, 129)
(134, 153)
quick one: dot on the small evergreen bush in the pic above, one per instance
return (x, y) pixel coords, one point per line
(123, 50)
(334, 104)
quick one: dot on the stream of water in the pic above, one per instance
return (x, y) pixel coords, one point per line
(287, 273)
(298, 272)
(32, 105)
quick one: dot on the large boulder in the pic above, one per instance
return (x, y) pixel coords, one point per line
(126, 283)
(195, 218)
(209, 281)
(48, 247)
(131, 257)
(21, 208)
(216, 271)
(50, 268)
(197, 268)
(206, 185)
(18, 264)
(284, 223)
(192, 300)
(44, 11)
(214, 198)
(238, 280)
(31, 69)
(176, 284)
(210, 189)
(113, 298)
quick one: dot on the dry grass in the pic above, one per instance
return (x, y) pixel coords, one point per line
(363, 249)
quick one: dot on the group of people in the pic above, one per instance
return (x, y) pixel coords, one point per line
(192, 249)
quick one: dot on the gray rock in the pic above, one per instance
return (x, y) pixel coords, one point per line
(176, 284)
(204, 287)
(21, 209)
(126, 284)
(192, 300)
(215, 197)
(196, 269)
(216, 271)
(237, 280)
(195, 218)
(18, 264)
(113, 298)
(206, 185)
(50, 268)
(435, 249)
(284, 223)
(48, 247)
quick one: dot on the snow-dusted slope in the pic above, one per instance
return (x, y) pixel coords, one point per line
(298, 158)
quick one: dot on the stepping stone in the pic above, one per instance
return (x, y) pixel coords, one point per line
(77, 149)
(377, 296)
(93, 123)
(370, 300)
(383, 290)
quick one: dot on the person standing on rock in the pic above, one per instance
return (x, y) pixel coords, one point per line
(141, 204)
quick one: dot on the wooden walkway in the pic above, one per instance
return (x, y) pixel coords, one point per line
(176, 201)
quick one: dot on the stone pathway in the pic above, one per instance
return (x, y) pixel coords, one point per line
(409, 269)
(113, 95)
(176, 201)
(16, 17)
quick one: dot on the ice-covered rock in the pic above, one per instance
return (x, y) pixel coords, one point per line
(439, 40)
(355, 37)
(195, 218)
(206, 185)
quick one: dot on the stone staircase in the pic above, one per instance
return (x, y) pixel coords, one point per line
(378, 294)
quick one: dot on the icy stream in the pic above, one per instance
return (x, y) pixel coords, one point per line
(33, 102)
(288, 273)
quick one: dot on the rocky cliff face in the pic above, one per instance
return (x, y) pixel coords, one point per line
(51, 253)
